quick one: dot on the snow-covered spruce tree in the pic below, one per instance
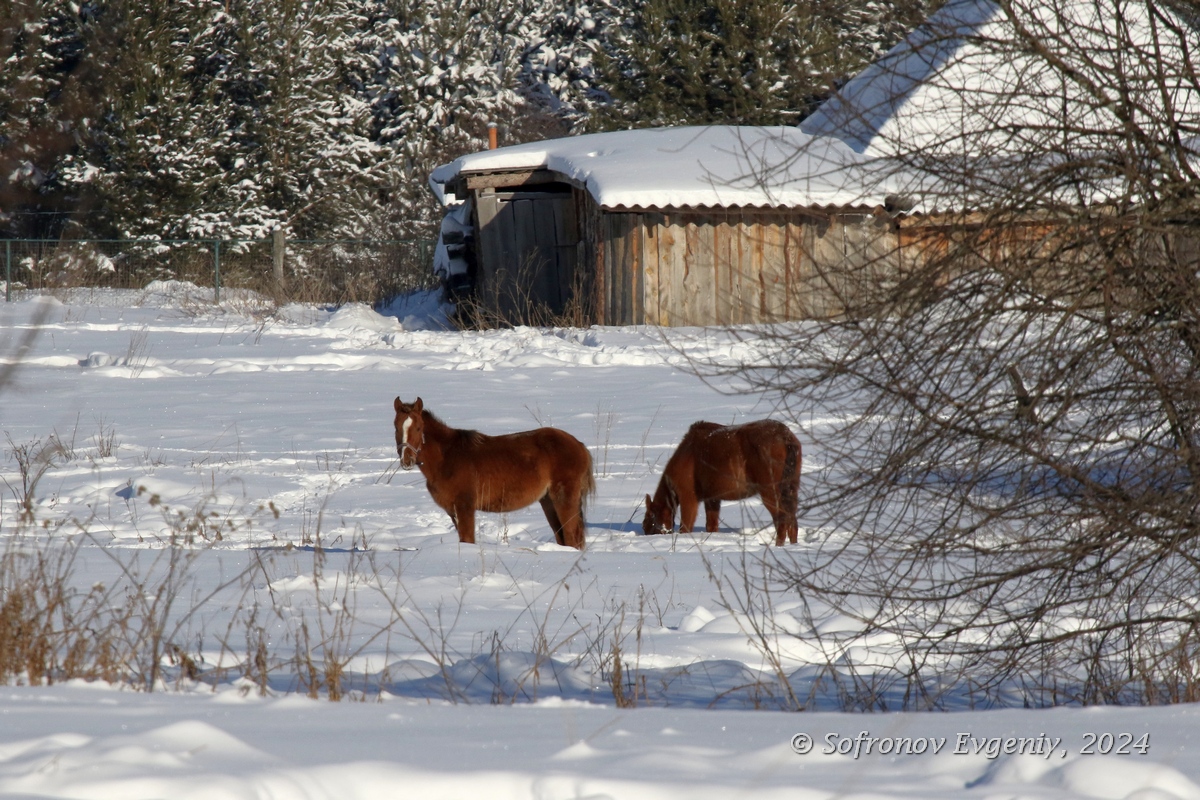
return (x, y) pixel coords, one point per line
(302, 156)
(207, 117)
(150, 159)
(216, 123)
(430, 85)
(45, 89)
(867, 29)
(677, 62)
(434, 75)
(560, 69)
(204, 118)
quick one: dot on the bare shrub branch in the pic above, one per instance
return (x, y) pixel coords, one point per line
(1010, 424)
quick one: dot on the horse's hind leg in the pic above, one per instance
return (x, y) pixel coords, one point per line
(567, 507)
(783, 514)
(786, 525)
(552, 517)
(775, 508)
(788, 503)
(789, 490)
(573, 532)
(712, 515)
(574, 525)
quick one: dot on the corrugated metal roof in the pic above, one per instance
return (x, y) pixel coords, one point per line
(717, 167)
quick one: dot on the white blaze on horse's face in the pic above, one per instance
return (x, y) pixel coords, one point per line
(408, 453)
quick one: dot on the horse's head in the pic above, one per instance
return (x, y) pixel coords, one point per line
(410, 432)
(660, 516)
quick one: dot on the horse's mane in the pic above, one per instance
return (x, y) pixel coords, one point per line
(467, 435)
(472, 437)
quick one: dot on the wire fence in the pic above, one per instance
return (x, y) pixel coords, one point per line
(318, 271)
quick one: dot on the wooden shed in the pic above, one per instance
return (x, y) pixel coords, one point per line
(675, 226)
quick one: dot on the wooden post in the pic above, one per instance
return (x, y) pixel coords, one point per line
(217, 271)
(493, 138)
(278, 248)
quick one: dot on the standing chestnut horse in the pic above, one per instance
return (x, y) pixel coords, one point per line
(467, 471)
(718, 462)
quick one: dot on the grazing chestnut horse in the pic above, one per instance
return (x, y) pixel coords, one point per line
(718, 462)
(467, 471)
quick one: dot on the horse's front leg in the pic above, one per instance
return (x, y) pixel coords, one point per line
(688, 508)
(712, 515)
(464, 521)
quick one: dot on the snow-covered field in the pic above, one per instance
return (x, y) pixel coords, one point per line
(242, 465)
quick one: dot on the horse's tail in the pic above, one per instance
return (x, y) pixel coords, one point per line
(587, 486)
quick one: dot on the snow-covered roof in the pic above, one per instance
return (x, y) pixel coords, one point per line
(718, 166)
(967, 82)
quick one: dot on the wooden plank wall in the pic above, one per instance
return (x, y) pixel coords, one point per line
(709, 267)
(681, 267)
(623, 281)
(677, 268)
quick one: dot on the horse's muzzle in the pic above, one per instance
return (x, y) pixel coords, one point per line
(408, 457)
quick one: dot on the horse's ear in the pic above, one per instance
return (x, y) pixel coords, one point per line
(418, 406)
(397, 405)
(648, 502)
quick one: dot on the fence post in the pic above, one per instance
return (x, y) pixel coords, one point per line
(216, 271)
(278, 248)
(7, 270)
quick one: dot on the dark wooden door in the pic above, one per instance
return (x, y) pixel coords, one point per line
(527, 253)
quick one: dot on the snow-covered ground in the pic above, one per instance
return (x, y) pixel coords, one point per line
(259, 443)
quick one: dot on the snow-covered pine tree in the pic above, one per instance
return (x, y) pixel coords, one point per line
(302, 155)
(559, 70)
(439, 72)
(682, 62)
(45, 90)
(198, 118)
(676, 62)
(866, 29)
(148, 160)
(226, 119)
